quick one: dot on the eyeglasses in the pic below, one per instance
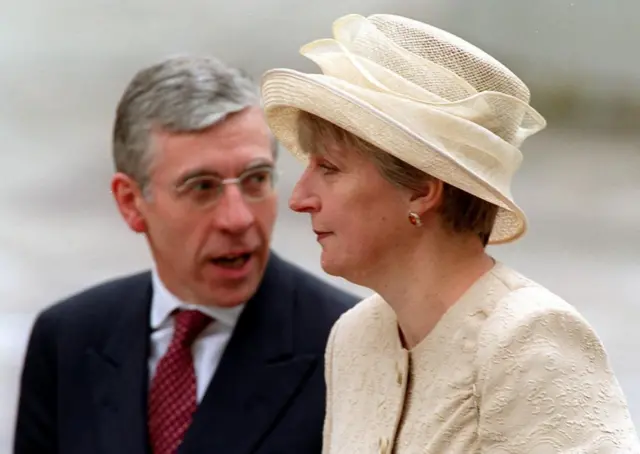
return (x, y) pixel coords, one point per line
(204, 191)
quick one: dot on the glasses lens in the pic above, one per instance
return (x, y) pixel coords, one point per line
(257, 183)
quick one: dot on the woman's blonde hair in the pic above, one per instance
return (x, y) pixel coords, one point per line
(461, 212)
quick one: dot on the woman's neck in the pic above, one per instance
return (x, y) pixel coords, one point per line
(424, 284)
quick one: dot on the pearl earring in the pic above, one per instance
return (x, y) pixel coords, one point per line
(415, 219)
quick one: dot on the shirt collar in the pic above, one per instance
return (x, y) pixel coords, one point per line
(163, 303)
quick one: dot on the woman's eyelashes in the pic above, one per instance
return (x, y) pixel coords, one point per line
(327, 167)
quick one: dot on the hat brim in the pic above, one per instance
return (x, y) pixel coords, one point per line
(286, 92)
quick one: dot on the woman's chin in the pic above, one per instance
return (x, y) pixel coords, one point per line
(340, 266)
(330, 265)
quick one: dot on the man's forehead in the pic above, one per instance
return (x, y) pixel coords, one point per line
(180, 154)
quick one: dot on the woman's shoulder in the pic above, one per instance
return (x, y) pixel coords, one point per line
(370, 308)
(530, 321)
(538, 356)
(525, 301)
(370, 321)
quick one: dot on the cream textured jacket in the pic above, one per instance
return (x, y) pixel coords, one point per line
(510, 368)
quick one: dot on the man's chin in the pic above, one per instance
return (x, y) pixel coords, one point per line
(229, 294)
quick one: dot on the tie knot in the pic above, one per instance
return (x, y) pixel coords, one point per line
(188, 325)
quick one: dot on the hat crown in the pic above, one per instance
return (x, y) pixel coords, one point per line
(477, 68)
(437, 66)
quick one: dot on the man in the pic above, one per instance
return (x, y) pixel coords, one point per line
(219, 348)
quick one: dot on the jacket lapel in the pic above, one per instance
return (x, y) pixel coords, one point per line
(119, 376)
(257, 376)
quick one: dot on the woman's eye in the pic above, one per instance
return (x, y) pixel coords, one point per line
(327, 168)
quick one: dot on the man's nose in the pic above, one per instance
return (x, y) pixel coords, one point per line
(233, 214)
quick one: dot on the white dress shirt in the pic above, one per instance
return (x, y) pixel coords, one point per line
(208, 346)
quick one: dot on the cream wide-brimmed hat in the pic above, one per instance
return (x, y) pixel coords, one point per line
(421, 94)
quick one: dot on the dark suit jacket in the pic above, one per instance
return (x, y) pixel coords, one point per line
(83, 387)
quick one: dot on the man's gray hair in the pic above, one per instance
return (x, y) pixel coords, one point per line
(179, 94)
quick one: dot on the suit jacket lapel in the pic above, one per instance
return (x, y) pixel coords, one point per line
(119, 376)
(258, 374)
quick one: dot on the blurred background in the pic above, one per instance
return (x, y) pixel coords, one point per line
(65, 64)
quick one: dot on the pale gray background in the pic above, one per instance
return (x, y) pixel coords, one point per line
(65, 63)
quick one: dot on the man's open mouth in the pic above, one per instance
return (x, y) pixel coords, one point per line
(232, 260)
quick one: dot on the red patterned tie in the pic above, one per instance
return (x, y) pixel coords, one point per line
(172, 397)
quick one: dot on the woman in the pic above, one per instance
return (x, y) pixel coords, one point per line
(411, 137)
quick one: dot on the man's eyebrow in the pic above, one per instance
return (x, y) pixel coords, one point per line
(258, 163)
(197, 173)
(203, 172)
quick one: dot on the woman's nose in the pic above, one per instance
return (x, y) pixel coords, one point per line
(302, 199)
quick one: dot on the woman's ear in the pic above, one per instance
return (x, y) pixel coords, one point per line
(429, 198)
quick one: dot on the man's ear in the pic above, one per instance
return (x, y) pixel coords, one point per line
(128, 197)
(427, 199)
